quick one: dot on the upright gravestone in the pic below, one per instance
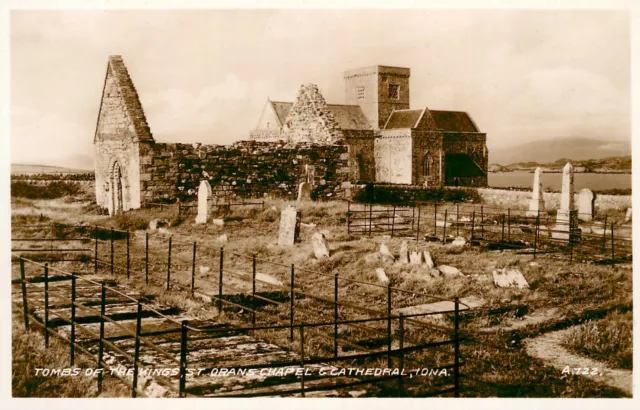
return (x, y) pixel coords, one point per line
(585, 205)
(565, 213)
(304, 192)
(289, 226)
(536, 203)
(204, 192)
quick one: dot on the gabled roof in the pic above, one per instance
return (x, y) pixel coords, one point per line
(130, 97)
(458, 121)
(403, 119)
(348, 117)
(282, 110)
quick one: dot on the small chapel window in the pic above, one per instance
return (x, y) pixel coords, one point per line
(394, 91)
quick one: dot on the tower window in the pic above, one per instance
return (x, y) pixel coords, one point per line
(394, 91)
(360, 92)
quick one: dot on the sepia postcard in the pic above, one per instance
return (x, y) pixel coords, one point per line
(218, 200)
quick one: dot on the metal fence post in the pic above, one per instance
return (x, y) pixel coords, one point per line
(418, 228)
(253, 293)
(509, 224)
(103, 294)
(111, 238)
(401, 358)
(46, 304)
(457, 219)
(482, 222)
(571, 229)
(389, 360)
(502, 235)
(302, 358)
(444, 230)
(349, 217)
(95, 253)
(183, 359)
(220, 280)
(435, 219)
(136, 352)
(146, 258)
(473, 223)
(370, 217)
(613, 258)
(169, 264)
(335, 315)
(128, 257)
(25, 307)
(456, 374)
(604, 233)
(393, 221)
(193, 270)
(73, 320)
(292, 299)
(413, 215)
(536, 233)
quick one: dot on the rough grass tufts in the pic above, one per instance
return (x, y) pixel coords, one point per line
(608, 340)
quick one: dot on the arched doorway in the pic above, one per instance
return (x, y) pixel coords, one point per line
(117, 201)
(358, 168)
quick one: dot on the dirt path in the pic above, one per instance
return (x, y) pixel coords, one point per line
(549, 349)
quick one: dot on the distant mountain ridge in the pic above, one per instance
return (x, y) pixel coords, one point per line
(550, 150)
(604, 165)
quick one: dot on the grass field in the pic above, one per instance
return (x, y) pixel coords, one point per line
(497, 364)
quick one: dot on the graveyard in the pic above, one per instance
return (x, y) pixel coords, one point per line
(524, 287)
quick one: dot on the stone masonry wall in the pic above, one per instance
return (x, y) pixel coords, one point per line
(393, 156)
(427, 148)
(473, 144)
(174, 171)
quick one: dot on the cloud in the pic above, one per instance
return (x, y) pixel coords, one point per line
(213, 114)
(41, 137)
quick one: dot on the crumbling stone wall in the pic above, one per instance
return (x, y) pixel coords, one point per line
(310, 121)
(174, 171)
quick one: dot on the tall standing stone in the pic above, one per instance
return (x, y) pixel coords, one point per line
(204, 192)
(289, 226)
(585, 204)
(567, 205)
(536, 203)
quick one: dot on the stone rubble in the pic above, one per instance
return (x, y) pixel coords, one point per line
(382, 276)
(504, 278)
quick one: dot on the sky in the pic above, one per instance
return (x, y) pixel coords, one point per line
(205, 75)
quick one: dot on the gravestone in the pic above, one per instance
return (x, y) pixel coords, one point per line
(304, 192)
(536, 203)
(415, 258)
(628, 216)
(585, 205)
(319, 245)
(565, 218)
(289, 226)
(204, 192)
(404, 252)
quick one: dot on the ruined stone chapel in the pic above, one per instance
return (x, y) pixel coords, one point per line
(374, 137)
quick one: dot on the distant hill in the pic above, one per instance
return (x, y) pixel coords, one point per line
(603, 165)
(45, 169)
(550, 150)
